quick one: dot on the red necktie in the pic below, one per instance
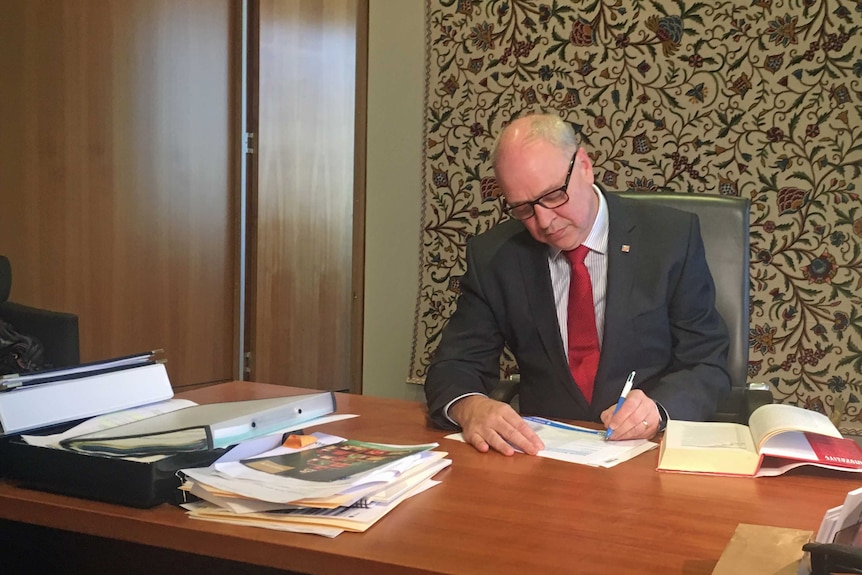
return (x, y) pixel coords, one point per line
(581, 324)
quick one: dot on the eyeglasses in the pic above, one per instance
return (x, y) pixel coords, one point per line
(550, 200)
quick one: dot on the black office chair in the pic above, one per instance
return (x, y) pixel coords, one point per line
(829, 558)
(724, 227)
(57, 331)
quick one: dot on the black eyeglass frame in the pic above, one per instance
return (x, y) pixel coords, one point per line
(542, 199)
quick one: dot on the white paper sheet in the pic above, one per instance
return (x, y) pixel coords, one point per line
(358, 518)
(108, 421)
(581, 445)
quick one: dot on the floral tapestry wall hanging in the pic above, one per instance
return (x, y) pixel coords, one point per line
(761, 100)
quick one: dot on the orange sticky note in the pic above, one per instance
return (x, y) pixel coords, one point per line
(297, 441)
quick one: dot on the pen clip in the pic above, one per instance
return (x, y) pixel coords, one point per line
(628, 385)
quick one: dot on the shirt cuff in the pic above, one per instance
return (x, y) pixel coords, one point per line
(448, 405)
(662, 413)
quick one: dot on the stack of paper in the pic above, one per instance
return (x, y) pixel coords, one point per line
(326, 487)
(843, 524)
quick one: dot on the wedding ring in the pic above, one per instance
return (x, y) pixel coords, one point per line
(646, 423)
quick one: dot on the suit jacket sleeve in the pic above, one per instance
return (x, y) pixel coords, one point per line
(467, 360)
(690, 385)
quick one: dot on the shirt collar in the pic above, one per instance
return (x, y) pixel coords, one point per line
(597, 239)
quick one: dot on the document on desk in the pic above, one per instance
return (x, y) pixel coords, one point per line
(237, 477)
(108, 421)
(326, 522)
(581, 445)
(235, 490)
(585, 446)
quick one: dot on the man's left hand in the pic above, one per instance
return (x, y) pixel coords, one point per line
(638, 418)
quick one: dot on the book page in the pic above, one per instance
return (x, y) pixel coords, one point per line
(707, 447)
(710, 435)
(769, 420)
(789, 445)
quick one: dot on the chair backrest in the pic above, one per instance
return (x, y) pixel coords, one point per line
(57, 331)
(724, 227)
(5, 278)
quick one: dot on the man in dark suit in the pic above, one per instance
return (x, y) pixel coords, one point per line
(652, 294)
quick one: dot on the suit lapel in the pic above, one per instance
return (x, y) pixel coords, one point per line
(537, 285)
(622, 255)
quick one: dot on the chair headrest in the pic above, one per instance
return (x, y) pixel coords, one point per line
(5, 278)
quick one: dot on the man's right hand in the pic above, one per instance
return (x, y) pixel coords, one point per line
(487, 423)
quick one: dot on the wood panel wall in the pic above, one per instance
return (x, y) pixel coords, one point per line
(302, 232)
(118, 173)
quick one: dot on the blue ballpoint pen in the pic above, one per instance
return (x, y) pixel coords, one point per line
(626, 389)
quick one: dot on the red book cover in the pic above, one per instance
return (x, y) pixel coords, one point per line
(836, 451)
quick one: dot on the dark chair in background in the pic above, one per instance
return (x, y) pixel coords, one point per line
(834, 558)
(724, 227)
(57, 331)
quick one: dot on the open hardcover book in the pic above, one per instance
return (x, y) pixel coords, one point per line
(778, 438)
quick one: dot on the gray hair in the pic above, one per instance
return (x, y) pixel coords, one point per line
(546, 127)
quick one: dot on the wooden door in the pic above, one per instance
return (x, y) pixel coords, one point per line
(301, 315)
(118, 173)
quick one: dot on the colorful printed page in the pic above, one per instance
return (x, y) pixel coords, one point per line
(334, 462)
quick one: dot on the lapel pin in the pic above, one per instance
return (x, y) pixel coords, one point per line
(625, 248)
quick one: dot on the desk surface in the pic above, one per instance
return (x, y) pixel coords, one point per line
(490, 514)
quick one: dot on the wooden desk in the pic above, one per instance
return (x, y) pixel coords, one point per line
(491, 514)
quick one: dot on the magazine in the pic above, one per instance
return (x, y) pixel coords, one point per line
(334, 462)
